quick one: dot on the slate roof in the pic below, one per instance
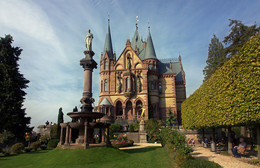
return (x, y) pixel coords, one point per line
(108, 43)
(165, 68)
(105, 102)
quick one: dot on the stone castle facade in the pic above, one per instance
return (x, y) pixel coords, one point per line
(138, 79)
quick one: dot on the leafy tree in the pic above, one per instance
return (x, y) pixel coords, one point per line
(216, 57)
(238, 36)
(171, 119)
(60, 120)
(12, 85)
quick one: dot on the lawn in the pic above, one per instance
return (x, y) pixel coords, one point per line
(91, 158)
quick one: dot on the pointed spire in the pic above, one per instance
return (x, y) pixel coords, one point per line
(149, 49)
(108, 42)
(136, 40)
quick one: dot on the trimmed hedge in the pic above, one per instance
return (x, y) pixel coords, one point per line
(53, 143)
(198, 163)
(17, 148)
(123, 144)
(35, 145)
(231, 96)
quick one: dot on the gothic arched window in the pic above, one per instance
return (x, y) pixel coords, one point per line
(105, 64)
(101, 87)
(105, 85)
(160, 87)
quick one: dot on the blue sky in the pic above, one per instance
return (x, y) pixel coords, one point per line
(51, 34)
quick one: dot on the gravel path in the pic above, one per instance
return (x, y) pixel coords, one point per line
(224, 161)
(140, 145)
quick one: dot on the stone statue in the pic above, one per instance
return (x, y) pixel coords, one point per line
(129, 63)
(75, 109)
(118, 85)
(142, 114)
(88, 41)
(138, 84)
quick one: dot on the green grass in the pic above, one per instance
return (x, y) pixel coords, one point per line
(198, 163)
(90, 158)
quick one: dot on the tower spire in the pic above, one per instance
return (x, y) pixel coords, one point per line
(108, 41)
(149, 49)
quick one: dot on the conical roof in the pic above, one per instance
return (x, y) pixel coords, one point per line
(149, 49)
(137, 41)
(108, 43)
(105, 102)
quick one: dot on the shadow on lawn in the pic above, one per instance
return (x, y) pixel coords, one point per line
(142, 150)
(28, 153)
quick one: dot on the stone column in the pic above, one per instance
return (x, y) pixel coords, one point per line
(70, 130)
(134, 112)
(67, 135)
(108, 141)
(103, 134)
(86, 135)
(61, 135)
(124, 116)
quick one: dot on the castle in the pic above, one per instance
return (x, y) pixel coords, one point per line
(138, 79)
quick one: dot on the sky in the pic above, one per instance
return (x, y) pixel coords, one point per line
(52, 33)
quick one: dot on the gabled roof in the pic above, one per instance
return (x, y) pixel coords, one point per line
(172, 67)
(108, 43)
(149, 49)
(105, 102)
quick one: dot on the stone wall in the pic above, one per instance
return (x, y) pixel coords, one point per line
(44, 130)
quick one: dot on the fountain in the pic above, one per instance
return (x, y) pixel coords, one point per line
(85, 121)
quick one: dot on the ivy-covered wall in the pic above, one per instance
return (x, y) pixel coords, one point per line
(231, 96)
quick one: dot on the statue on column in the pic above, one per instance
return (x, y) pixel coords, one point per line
(129, 63)
(118, 84)
(138, 84)
(88, 41)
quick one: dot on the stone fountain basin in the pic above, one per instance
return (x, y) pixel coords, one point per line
(75, 124)
(88, 115)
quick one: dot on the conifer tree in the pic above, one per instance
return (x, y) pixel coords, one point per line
(216, 57)
(12, 84)
(238, 36)
(60, 120)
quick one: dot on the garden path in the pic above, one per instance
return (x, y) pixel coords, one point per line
(224, 161)
(140, 145)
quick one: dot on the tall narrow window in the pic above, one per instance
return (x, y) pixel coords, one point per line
(160, 87)
(101, 86)
(152, 85)
(105, 64)
(105, 85)
(126, 84)
(150, 66)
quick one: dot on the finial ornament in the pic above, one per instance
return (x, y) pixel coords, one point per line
(88, 41)
(136, 24)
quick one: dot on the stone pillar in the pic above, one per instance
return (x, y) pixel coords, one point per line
(229, 141)
(134, 113)
(70, 130)
(61, 135)
(67, 135)
(124, 116)
(108, 141)
(243, 131)
(87, 79)
(103, 135)
(142, 133)
(86, 134)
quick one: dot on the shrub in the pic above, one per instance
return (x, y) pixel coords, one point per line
(53, 143)
(181, 158)
(44, 139)
(35, 145)
(53, 133)
(152, 128)
(198, 163)
(27, 149)
(123, 144)
(114, 128)
(43, 147)
(6, 137)
(254, 162)
(134, 127)
(17, 148)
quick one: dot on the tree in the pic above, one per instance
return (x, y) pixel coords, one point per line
(171, 119)
(60, 120)
(238, 36)
(12, 85)
(216, 57)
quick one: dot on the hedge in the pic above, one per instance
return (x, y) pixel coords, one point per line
(231, 96)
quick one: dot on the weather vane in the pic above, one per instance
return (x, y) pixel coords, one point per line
(136, 19)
